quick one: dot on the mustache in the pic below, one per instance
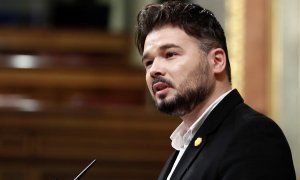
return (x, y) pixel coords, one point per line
(162, 80)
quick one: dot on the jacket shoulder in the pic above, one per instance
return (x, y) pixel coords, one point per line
(258, 148)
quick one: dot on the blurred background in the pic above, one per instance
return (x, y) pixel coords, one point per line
(72, 87)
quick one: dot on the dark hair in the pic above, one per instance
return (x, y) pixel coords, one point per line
(192, 18)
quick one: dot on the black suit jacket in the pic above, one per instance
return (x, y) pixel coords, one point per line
(238, 143)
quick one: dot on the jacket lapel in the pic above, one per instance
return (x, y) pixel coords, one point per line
(209, 126)
(168, 166)
(188, 157)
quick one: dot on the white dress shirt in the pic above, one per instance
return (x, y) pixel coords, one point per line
(183, 134)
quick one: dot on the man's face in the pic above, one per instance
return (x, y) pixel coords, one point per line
(178, 73)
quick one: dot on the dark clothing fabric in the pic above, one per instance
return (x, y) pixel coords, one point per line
(238, 143)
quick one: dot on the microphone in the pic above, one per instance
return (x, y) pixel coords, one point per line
(85, 170)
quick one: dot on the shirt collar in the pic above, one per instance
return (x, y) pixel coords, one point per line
(182, 135)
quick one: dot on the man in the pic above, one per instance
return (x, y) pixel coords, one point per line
(188, 74)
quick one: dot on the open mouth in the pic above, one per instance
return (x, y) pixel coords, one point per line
(159, 87)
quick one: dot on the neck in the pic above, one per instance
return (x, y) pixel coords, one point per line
(190, 118)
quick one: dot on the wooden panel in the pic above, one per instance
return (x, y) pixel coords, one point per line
(122, 143)
(77, 79)
(257, 59)
(28, 39)
(80, 101)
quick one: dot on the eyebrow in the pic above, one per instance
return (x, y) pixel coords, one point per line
(167, 46)
(163, 47)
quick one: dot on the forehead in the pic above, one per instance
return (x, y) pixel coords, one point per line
(169, 35)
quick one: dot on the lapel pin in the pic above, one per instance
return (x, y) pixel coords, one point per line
(198, 141)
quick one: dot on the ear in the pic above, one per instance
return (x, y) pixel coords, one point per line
(218, 60)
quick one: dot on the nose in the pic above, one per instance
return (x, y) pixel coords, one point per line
(156, 68)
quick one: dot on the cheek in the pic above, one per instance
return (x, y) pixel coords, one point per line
(181, 73)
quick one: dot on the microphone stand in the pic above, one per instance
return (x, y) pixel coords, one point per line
(85, 170)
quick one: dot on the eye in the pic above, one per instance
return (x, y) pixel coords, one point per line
(171, 54)
(148, 63)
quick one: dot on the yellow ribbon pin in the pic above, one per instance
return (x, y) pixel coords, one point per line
(198, 141)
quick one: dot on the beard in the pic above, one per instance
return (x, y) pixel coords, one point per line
(189, 94)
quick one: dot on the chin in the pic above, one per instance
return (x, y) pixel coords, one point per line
(168, 106)
(163, 99)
